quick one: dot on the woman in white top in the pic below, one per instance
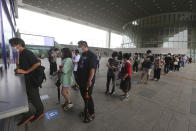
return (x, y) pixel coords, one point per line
(75, 60)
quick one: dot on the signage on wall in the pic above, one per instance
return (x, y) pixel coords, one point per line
(38, 40)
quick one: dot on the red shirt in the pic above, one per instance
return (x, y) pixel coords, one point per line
(126, 68)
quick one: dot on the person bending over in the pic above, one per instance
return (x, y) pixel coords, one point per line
(28, 63)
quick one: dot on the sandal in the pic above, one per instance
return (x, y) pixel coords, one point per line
(68, 106)
(65, 104)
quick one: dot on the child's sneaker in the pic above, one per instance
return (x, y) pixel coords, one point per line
(125, 98)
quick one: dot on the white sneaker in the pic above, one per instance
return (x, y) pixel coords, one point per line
(125, 98)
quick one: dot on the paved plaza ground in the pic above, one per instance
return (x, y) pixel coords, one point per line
(167, 105)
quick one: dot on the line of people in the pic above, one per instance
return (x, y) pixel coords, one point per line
(170, 63)
(119, 67)
(82, 64)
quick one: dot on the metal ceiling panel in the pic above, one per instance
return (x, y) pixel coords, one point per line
(112, 14)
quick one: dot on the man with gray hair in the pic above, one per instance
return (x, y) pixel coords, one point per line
(86, 79)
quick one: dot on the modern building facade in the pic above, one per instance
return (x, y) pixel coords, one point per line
(171, 30)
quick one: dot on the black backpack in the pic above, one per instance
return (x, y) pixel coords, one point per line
(38, 76)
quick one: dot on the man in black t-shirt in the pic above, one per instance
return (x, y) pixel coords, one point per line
(27, 65)
(147, 66)
(135, 64)
(86, 78)
(113, 65)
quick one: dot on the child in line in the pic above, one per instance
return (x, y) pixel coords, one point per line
(125, 84)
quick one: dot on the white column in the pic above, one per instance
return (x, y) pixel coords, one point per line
(108, 39)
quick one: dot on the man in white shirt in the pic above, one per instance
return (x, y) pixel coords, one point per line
(75, 60)
(98, 54)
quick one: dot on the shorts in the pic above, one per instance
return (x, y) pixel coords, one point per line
(146, 71)
(66, 85)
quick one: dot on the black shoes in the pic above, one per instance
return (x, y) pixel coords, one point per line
(88, 119)
(32, 118)
(106, 92)
(37, 117)
(25, 120)
(111, 93)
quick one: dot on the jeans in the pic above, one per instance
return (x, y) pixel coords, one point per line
(171, 67)
(176, 68)
(166, 68)
(53, 68)
(109, 78)
(157, 73)
(135, 67)
(76, 76)
(182, 63)
(98, 64)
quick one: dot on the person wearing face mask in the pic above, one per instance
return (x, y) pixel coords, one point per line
(27, 65)
(67, 77)
(87, 66)
(113, 66)
(125, 84)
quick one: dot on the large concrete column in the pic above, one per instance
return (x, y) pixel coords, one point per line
(192, 44)
(108, 39)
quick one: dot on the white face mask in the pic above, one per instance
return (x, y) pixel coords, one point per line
(80, 50)
(15, 49)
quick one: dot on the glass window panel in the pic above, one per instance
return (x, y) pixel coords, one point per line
(7, 33)
(173, 18)
(175, 45)
(165, 44)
